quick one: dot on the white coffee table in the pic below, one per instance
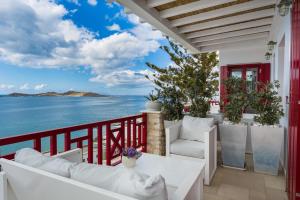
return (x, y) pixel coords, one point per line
(184, 178)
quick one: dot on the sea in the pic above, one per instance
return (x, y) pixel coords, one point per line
(21, 115)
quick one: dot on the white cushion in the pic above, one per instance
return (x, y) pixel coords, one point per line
(30, 157)
(121, 180)
(193, 128)
(188, 148)
(33, 158)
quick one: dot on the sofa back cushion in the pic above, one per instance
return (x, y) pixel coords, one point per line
(193, 128)
(33, 158)
(121, 180)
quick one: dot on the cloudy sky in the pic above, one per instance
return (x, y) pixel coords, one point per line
(88, 45)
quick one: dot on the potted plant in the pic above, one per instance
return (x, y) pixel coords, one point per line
(129, 157)
(191, 76)
(233, 133)
(153, 103)
(267, 134)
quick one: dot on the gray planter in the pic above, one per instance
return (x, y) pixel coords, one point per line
(249, 120)
(153, 106)
(233, 142)
(266, 144)
(218, 118)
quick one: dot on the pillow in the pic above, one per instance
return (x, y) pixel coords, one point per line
(30, 157)
(193, 128)
(33, 158)
(121, 180)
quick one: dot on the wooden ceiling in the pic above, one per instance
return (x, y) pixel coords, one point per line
(206, 25)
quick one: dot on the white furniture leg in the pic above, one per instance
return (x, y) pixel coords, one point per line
(3, 186)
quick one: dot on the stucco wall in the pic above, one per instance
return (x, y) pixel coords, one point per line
(249, 52)
(280, 65)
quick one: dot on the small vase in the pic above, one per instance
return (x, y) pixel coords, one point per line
(128, 162)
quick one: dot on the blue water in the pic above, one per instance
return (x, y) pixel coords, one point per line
(19, 115)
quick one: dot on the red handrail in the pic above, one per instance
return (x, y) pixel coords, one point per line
(120, 133)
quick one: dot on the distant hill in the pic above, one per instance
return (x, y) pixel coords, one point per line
(57, 94)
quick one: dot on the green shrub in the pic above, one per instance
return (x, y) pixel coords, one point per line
(237, 99)
(267, 103)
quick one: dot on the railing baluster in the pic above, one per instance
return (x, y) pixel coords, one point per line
(90, 145)
(67, 141)
(108, 145)
(139, 134)
(134, 133)
(37, 144)
(144, 143)
(79, 144)
(128, 133)
(99, 138)
(53, 145)
(122, 135)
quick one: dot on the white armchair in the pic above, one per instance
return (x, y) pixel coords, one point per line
(194, 139)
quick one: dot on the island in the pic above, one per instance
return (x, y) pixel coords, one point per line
(70, 93)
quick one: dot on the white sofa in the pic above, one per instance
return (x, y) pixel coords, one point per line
(22, 182)
(194, 139)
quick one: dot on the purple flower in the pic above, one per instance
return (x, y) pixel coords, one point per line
(131, 153)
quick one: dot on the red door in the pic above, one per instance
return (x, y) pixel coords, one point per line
(294, 123)
(251, 72)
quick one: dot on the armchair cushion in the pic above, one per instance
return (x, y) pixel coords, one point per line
(188, 148)
(193, 128)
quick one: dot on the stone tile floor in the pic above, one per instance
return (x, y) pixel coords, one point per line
(232, 184)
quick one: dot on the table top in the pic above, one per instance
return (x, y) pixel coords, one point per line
(174, 170)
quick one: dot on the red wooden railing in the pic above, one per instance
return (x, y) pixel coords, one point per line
(123, 132)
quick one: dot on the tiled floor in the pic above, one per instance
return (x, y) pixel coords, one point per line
(231, 184)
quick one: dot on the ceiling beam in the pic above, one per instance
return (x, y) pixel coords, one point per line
(228, 20)
(235, 27)
(150, 15)
(155, 3)
(234, 45)
(222, 12)
(234, 39)
(190, 7)
(232, 34)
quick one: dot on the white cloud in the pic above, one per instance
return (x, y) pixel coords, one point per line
(40, 86)
(114, 27)
(35, 34)
(6, 86)
(124, 77)
(92, 2)
(25, 86)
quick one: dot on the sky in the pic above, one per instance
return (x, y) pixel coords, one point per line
(85, 45)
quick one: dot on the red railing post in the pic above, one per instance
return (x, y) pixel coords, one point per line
(144, 141)
(122, 135)
(128, 133)
(79, 144)
(67, 141)
(37, 144)
(53, 145)
(108, 145)
(139, 134)
(134, 133)
(90, 145)
(99, 148)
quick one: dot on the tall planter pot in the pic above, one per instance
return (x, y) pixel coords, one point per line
(233, 142)
(266, 144)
